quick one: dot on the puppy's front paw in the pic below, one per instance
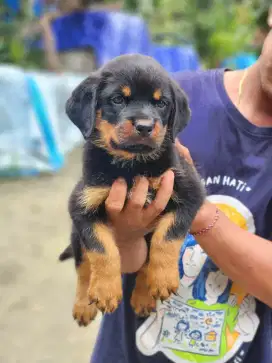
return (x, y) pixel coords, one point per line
(142, 302)
(83, 312)
(106, 295)
(162, 281)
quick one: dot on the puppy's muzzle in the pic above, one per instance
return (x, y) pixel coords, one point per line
(144, 127)
(138, 135)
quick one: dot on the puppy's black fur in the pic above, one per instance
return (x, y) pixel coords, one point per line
(129, 113)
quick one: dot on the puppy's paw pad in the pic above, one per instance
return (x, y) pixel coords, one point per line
(142, 304)
(83, 312)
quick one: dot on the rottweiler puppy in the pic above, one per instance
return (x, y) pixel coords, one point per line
(129, 112)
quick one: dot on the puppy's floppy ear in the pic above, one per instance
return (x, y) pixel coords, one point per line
(181, 113)
(81, 106)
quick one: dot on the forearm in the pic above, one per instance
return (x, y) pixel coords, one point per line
(244, 257)
(133, 255)
(51, 54)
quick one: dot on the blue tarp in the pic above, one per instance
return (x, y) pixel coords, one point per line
(113, 33)
(13, 5)
(176, 58)
(239, 61)
(108, 33)
(35, 132)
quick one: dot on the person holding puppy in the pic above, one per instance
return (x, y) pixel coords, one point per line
(225, 297)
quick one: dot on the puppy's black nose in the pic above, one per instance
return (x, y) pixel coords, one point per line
(144, 127)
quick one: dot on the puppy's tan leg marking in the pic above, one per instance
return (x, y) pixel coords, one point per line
(142, 302)
(105, 288)
(92, 197)
(83, 312)
(155, 183)
(163, 271)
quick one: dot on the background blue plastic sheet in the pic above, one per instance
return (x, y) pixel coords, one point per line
(35, 133)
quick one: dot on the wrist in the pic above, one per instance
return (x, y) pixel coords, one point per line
(206, 217)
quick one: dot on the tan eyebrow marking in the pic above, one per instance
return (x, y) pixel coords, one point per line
(126, 91)
(157, 94)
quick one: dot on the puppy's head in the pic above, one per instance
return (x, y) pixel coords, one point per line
(133, 104)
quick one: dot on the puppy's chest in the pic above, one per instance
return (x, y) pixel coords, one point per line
(92, 197)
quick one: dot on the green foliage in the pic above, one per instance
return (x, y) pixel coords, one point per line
(12, 46)
(229, 28)
(131, 5)
(171, 16)
(218, 28)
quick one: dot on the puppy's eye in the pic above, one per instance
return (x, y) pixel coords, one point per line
(118, 100)
(161, 104)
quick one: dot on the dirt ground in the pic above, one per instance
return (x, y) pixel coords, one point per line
(36, 291)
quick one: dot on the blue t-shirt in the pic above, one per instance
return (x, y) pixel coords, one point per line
(211, 319)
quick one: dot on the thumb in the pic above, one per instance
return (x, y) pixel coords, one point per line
(184, 152)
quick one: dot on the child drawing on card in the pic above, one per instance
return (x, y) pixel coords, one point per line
(181, 327)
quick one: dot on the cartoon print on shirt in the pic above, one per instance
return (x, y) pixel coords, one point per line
(210, 318)
(247, 320)
(191, 262)
(212, 285)
(195, 336)
(181, 327)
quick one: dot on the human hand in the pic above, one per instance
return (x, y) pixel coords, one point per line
(131, 221)
(47, 18)
(183, 151)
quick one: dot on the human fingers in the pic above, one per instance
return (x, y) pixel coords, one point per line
(116, 199)
(162, 198)
(183, 151)
(138, 196)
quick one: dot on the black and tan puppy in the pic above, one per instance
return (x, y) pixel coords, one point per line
(129, 112)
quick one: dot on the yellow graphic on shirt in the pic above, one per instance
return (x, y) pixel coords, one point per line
(233, 212)
(233, 215)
